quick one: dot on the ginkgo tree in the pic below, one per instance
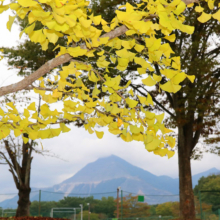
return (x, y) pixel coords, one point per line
(88, 36)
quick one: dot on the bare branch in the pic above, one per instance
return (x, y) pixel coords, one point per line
(187, 2)
(11, 170)
(16, 166)
(47, 67)
(160, 105)
(15, 178)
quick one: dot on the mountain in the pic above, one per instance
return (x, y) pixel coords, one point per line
(105, 175)
(196, 177)
(112, 171)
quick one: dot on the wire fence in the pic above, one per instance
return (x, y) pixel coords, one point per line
(121, 205)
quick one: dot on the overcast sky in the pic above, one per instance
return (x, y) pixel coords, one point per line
(78, 147)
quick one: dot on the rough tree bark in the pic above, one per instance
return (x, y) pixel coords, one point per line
(21, 174)
(185, 178)
(24, 201)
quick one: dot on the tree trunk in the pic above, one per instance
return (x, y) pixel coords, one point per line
(21, 174)
(187, 206)
(23, 202)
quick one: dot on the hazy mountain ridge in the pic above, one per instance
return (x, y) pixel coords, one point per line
(105, 175)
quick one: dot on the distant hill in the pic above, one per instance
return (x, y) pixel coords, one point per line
(105, 175)
(196, 177)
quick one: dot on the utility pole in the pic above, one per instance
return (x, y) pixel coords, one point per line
(121, 204)
(81, 205)
(39, 204)
(118, 202)
(74, 213)
(88, 211)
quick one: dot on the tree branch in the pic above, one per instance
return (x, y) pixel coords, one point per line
(11, 170)
(47, 67)
(16, 166)
(161, 106)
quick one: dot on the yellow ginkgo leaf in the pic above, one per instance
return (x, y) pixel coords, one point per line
(99, 134)
(64, 128)
(3, 8)
(27, 3)
(97, 19)
(85, 23)
(162, 152)
(52, 36)
(32, 106)
(187, 29)
(58, 18)
(122, 64)
(10, 22)
(180, 8)
(160, 117)
(25, 139)
(44, 45)
(17, 132)
(33, 135)
(157, 78)
(149, 100)
(170, 87)
(190, 5)
(120, 122)
(128, 44)
(204, 17)
(58, 3)
(127, 138)
(139, 47)
(14, 6)
(134, 129)
(171, 141)
(191, 78)
(37, 36)
(170, 153)
(211, 4)
(95, 91)
(178, 78)
(93, 77)
(28, 30)
(142, 99)
(131, 103)
(149, 81)
(199, 9)
(171, 38)
(153, 144)
(76, 51)
(142, 26)
(217, 15)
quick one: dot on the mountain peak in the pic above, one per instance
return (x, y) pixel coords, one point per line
(111, 157)
(104, 168)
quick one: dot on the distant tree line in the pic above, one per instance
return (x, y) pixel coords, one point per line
(107, 206)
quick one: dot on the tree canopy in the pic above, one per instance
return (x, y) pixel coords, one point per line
(124, 113)
(91, 91)
(210, 190)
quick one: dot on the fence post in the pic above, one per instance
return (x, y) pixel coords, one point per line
(200, 204)
(39, 203)
(121, 204)
(118, 202)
